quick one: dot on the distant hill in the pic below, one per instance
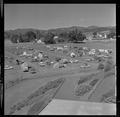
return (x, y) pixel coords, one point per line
(83, 29)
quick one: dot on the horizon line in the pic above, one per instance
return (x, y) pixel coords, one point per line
(56, 27)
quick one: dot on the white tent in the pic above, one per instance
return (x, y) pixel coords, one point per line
(55, 37)
(24, 53)
(56, 65)
(24, 66)
(59, 48)
(40, 56)
(72, 54)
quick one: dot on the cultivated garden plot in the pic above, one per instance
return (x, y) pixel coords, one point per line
(47, 90)
(59, 71)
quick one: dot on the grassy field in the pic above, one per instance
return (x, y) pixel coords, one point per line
(71, 73)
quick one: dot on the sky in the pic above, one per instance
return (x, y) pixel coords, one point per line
(47, 16)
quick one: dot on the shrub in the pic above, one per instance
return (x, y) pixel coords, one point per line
(76, 36)
(49, 38)
(14, 38)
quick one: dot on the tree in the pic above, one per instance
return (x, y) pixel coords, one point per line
(15, 38)
(21, 39)
(27, 37)
(76, 36)
(94, 34)
(7, 35)
(111, 35)
(61, 40)
(64, 34)
(31, 36)
(38, 34)
(49, 38)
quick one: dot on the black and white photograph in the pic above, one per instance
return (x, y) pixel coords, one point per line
(59, 59)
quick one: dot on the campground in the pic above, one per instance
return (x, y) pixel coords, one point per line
(29, 82)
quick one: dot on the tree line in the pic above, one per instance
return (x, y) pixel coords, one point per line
(72, 36)
(48, 37)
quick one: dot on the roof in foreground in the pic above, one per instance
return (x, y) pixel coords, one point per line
(68, 107)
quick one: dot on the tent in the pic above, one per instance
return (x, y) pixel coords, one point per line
(24, 66)
(72, 54)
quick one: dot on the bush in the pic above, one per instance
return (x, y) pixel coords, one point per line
(76, 36)
(14, 38)
(60, 40)
(111, 35)
(28, 37)
(94, 34)
(49, 38)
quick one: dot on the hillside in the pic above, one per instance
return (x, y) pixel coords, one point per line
(66, 29)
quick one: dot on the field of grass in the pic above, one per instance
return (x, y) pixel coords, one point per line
(72, 73)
